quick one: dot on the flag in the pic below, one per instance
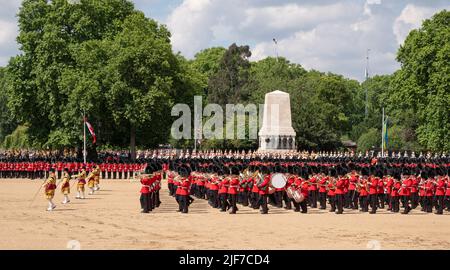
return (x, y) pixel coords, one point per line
(91, 130)
(385, 133)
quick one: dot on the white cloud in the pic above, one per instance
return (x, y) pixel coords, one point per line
(410, 18)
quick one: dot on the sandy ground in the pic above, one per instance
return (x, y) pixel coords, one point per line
(111, 219)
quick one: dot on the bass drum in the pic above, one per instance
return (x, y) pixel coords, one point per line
(278, 180)
(298, 196)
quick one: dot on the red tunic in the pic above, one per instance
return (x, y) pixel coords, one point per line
(223, 186)
(234, 184)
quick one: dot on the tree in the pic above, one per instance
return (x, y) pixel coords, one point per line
(49, 36)
(143, 78)
(207, 62)
(369, 140)
(422, 85)
(226, 86)
(7, 122)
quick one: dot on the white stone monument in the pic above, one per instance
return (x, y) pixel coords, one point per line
(276, 131)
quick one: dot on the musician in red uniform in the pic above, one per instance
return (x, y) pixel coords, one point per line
(287, 200)
(183, 193)
(414, 192)
(304, 188)
(429, 193)
(312, 192)
(233, 190)
(339, 193)
(380, 194)
(353, 194)
(214, 191)
(145, 194)
(323, 192)
(395, 197)
(255, 199)
(447, 194)
(389, 183)
(363, 195)
(373, 194)
(331, 195)
(263, 186)
(223, 194)
(406, 194)
(440, 193)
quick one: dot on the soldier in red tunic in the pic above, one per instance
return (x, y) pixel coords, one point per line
(183, 192)
(223, 194)
(145, 194)
(373, 192)
(233, 189)
(340, 195)
(363, 194)
(263, 186)
(447, 193)
(322, 191)
(440, 193)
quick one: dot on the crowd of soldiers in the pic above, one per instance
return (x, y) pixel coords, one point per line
(340, 180)
(334, 180)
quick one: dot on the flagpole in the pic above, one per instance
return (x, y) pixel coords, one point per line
(382, 135)
(84, 137)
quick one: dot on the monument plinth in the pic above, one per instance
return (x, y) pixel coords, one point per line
(276, 132)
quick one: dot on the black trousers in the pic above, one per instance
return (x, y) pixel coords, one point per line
(183, 203)
(214, 198)
(373, 199)
(395, 204)
(145, 202)
(312, 198)
(244, 198)
(447, 202)
(264, 208)
(381, 200)
(279, 198)
(414, 200)
(287, 201)
(364, 202)
(233, 200)
(171, 190)
(440, 204)
(332, 202)
(304, 206)
(354, 195)
(157, 201)
(405, 202)
(339, 203)
(428, 204)
(323, 200)
(255, 200)
(223, 198)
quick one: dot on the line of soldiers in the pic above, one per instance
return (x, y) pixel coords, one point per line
(39, 170)
(344, 185)
(151, 184)
(81, 179)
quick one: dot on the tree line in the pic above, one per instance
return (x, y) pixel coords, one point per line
(106, 60)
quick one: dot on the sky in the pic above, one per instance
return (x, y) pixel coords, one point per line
(329, 36)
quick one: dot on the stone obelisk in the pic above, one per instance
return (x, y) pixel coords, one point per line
(276, 133)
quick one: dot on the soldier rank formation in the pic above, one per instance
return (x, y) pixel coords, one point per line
(295, 181)
(332, 183)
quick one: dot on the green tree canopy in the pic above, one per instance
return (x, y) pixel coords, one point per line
(422, 85)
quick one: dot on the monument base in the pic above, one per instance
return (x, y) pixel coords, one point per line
(281, 142)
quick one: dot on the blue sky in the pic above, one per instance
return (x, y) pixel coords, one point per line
(318, 34)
